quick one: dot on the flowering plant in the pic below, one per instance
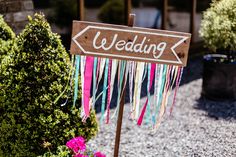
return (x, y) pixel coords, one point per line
(75, 147)
(78, 146)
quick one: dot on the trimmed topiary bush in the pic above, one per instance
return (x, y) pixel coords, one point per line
(6, 32)
(7, 44)
(7, 37)
(30, 121)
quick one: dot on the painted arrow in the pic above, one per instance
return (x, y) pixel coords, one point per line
(130, 43)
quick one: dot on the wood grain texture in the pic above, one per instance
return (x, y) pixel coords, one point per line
(139, 44)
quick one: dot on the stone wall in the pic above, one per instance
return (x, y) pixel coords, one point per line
(15, 12)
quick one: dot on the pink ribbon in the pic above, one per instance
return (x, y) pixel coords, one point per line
(109, 91)
(152, 73)
(88, 73)
(176, 88)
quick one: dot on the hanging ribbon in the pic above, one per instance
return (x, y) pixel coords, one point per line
(109, 92)
(121, 71)
(104, 89)
(167, 85)
(173, 77)
(160, 89)
(94, 79)
(131, 77)
(137, 89)
(102, 65)
(162, 107)
(113, 74)
(180, 72)
(82, 68)
(87, 84)
(157, 73)
(151, 73)
(166, 76)
(77, 63)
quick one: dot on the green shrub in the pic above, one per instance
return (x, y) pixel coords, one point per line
(7, 38)
(37, 74)
(7, 44)
(218, 27)
(62, 151)
(5, 31)
(112, 12)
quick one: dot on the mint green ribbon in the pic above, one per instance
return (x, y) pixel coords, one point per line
(104, 90)
(160, 92)
(77, 63)
(122, 71)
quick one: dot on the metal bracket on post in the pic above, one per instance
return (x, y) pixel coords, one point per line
(131, 20)
(122, 103)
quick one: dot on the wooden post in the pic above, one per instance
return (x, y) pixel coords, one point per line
(164, 14)
(192, 18)
(80, 10)
(127, 11)
(119, 123)
(122, 103)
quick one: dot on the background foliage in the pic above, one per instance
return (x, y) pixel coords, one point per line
(7, 37)
(64, 12)
(112, 12)
(37, 73)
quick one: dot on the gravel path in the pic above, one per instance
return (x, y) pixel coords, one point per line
(198, 128)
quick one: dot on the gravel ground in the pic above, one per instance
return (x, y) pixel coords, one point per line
(197, 128)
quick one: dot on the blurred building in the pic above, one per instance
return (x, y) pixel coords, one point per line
(15, 12)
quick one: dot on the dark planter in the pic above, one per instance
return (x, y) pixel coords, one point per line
(219, 79)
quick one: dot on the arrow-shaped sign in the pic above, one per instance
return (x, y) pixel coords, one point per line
(130, 43)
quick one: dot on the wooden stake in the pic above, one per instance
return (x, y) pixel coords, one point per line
(80, 10)
(127, 11)
(164, 14)
(119, 122)
(122, 103)
(192, 18)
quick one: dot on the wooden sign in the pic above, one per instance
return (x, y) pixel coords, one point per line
(130, 43)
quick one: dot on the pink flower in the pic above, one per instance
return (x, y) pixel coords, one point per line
(77, 144)
(80, 155)
(99, 154)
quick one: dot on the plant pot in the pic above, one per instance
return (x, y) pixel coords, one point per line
(219, 79)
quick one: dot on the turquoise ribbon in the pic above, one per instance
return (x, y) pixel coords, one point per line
(160, 92)
(104, 90)
(77, 63)
(122, 71)
(94, 79)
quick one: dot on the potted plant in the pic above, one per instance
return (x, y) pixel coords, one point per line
(218, 30)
